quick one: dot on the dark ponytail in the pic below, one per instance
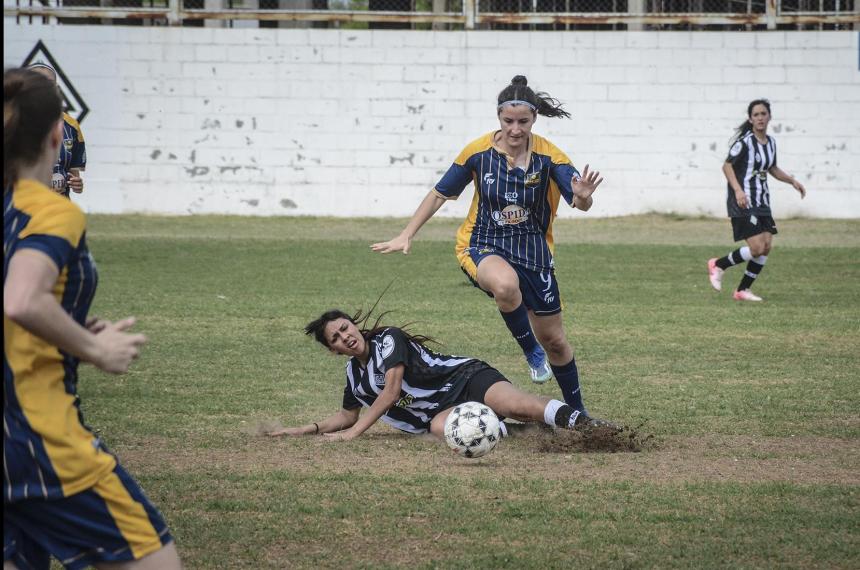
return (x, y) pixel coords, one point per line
(746, 126)
(543, 104)
(31, 108)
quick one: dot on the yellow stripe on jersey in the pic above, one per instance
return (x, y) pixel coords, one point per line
(50, 213)
(129, 515)
(75, 125)
(546, 148)
(464, 234)
(37, 366)
(478, 145)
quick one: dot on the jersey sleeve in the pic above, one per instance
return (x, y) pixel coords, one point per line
(79, 155)
(737, 153)
(394, 348)
(56, 231)
(561, 170)
(774, 152)
(350, 402)
(457, 177)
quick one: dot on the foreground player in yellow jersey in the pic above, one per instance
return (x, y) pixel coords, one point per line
(505, 245)
(64, 494)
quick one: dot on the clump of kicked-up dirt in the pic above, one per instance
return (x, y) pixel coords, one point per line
(586, 439)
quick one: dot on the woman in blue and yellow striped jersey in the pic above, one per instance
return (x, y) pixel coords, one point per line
(505, 245)
(64, 494)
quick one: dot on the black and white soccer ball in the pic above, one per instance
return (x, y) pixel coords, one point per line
(472, 429)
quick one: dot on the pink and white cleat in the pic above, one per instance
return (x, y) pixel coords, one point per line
(745, 295)
(715, 274)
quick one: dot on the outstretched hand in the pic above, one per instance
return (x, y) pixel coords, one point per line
(400, 243)
(586, 185)
(116, 347)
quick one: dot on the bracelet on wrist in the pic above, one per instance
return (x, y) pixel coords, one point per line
(316, 428)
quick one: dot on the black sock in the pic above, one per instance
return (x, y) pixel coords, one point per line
(733, 258)
(567, 417)
(753, 269)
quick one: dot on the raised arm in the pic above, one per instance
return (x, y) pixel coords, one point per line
(729, 173)
(386, 399)
(29, 301)
(782, 176)
(403, 242)
(343, 419)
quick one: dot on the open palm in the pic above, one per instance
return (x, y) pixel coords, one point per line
(586, 185)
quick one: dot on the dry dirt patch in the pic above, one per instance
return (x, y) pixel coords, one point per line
(531, 453)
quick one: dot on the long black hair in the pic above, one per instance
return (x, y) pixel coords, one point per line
(316, 327)
(746, 126)
(543, 104)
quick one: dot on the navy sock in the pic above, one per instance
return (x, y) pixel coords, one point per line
(518, 323)
(567, 377)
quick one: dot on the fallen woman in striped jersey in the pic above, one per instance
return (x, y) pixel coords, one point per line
(412, 388)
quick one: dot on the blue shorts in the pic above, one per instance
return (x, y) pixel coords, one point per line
(538, 288)
(113, 521)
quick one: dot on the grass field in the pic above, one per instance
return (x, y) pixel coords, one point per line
(753, 409)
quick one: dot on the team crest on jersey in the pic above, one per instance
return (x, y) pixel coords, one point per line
(488, 179)
(68, 144)
(758, 157)
(533, 179)
(379, 378)
(511, 216)
(387, 346)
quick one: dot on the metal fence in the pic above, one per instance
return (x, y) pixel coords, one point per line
(451, 14)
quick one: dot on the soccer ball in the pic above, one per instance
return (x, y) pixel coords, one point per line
(472, 429)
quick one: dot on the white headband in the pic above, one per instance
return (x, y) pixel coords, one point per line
(513, 102)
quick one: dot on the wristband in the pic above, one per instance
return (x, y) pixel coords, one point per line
(317, 427)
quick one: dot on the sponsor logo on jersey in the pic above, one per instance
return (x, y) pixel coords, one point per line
(379, 378)
(533, 178)
(387, 346)
(488, 179)
(405, 401)
(511, 196)
(511, 216)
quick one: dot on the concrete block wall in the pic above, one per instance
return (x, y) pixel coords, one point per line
(363, 123)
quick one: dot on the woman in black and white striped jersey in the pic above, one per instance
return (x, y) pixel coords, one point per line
(393, 374)
(751, 157)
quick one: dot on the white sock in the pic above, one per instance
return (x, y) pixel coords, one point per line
(761, 259)
(745, 253)
(550, 411)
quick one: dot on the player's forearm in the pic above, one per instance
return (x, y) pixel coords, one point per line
(342, 420)
(781, 175)
(39, 313)
(429, 206)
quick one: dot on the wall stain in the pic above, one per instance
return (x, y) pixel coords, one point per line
(253, 202)
(140, 115)
(239, 123)
(286, 203)
(224, 169)
(171, 156)
(155, 154)
(415, 109)
(197, 171)
(193, 156)
(408, 158)
(211, 124)
(713, 146)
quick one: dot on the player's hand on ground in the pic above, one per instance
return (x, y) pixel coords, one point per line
(400, 243)
(741, 199)
(585, 186)
(116, 348)
(799, 187)
(345, 435)
(75, 183)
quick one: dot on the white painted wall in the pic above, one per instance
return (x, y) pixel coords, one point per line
(363, 123)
